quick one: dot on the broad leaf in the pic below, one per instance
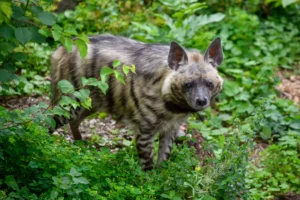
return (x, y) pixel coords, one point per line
(116, 63)
(20, 56)
(119, 77)
(68, 43)
(4, 76)
(46, 18)
(82, 47)
(105, 71)
(65, 86)
(82, 94)
(103, 86)
(23, 34)
(6, 31)
(286, 3)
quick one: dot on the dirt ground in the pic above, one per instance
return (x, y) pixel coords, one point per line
(289, 87)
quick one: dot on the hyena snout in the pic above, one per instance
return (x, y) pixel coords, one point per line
(202, 101)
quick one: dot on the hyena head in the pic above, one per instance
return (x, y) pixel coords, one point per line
(194, 81)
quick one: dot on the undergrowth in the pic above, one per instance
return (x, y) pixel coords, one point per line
(35, 165)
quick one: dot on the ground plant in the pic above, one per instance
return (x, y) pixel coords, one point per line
(253, 132)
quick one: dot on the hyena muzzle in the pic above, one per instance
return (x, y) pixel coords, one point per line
(170, 82)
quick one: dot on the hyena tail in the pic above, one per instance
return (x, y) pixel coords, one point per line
(60, 69)
(58, 60)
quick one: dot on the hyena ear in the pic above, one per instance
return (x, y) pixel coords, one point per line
(177, 56)
(214, 53)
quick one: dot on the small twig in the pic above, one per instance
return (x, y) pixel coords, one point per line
(27, 22)
(27, 3)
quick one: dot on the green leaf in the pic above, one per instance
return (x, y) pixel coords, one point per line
(82, 94)
(6, 31)
(5, 7)
(87, 103)
(45, 32)
(46, 18)
(56, 32)
(60, 112)
(11, 182)
(295, 124)
(286, 3)
(132, 69)
(82, 47)
(36, 10)
(7, 48)
(18, 12)
(85, 38)
(4, 76)
(71, 30)
(23, 34)
(81, 180)
(67, 101)
(68, 43)
(103, 86)
(36, 35)
(50, 122)
(10, 68)
(65, 86)
(266, 133)
(208, 197)
(116, 63)
(84, 81)
(165, 196)
(73, 172)
(126, 69)
(20, 56)
(105, 71)
(231, 88)
(90, 81)
(54, 194)
(119, 77)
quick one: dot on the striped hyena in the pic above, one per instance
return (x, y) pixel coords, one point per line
(170, 82)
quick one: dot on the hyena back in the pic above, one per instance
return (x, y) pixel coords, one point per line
(170, 82)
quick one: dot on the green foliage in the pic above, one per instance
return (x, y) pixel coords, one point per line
(61, 169)
(278, 169)
(22, 23)
(258, 37)
(275, 118)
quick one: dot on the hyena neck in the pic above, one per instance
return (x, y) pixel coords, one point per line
(178, 108)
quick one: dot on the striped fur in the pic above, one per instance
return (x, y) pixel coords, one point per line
(168, 85)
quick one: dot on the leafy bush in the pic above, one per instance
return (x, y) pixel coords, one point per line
(278, 169)
(258, 37)
(21, 23)
(35, 165)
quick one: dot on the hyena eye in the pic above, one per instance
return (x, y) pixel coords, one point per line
(188, 85)
(209, 84)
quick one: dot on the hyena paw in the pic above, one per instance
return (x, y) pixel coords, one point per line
(182, 131)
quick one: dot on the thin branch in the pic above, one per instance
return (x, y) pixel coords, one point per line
(27, 3)
(28, 22)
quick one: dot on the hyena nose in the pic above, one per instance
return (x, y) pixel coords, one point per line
(201, 101)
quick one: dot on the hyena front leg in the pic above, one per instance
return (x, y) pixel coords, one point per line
(165, 145)
(144, 145)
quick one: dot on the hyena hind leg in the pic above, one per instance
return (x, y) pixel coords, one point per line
(76, 117)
